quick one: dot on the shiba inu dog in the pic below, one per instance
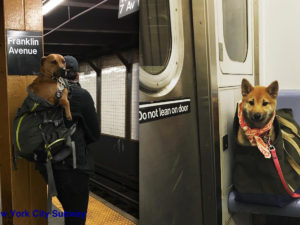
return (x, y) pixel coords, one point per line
(256, 114)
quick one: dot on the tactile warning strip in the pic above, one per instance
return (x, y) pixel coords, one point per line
(100, 214)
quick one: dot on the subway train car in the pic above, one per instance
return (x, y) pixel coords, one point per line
(193, 57)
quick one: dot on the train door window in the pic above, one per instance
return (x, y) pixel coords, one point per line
(235, 29)
(235, 36)
(155, 36)
(161, 40)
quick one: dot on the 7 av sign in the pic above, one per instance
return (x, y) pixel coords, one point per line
(127, 7)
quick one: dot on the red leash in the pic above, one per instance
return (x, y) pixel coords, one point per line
(267, 149)
(279, 171)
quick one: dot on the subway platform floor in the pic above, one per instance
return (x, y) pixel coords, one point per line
(100, 212)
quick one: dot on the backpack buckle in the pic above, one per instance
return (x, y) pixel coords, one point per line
(58, 94)
(35, 157)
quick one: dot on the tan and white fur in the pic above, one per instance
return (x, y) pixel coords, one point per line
(258, 107)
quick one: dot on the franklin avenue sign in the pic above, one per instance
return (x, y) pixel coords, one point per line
(24, 52)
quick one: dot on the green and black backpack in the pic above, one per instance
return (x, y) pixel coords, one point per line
(40, 135)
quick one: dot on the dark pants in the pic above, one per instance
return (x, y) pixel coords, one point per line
(73, 193)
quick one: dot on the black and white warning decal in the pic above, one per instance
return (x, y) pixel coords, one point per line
(163, 109)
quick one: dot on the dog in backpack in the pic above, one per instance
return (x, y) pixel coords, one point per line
(256, 113)
(49, 85)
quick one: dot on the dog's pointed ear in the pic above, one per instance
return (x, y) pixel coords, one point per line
(246, 87)
(273, 88)
(43, 60)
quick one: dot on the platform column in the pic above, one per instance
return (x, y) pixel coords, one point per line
(23, 189)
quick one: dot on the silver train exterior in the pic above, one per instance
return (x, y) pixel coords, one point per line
(185, 157)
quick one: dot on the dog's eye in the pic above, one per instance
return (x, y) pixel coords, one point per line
(54, 62)
(251, 102)
(63, 61)
(265, 103)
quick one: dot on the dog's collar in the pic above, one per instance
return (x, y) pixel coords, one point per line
(254, 134)
(55, 77)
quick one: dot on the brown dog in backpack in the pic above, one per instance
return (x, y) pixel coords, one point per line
(49, 85)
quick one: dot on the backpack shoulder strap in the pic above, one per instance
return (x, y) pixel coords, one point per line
(291, 138)
(62, 84)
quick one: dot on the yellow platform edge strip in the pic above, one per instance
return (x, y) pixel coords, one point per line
(98, 213)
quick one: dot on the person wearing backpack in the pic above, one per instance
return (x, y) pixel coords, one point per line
(73, 184)
(60, 148)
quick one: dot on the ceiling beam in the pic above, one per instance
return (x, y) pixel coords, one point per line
(74, 44)
(88, 5)
(111, 31)
(93, 38)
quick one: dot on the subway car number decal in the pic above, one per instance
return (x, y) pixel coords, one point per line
(163, 109)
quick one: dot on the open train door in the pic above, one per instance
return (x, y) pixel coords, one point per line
(170, 190)
(190, 59)
(224, 55)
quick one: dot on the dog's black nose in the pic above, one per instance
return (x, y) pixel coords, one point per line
(257, 116)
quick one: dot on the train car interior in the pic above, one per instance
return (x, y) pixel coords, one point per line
(200, 52)
(106, 48)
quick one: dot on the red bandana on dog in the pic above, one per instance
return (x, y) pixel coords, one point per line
(254, 134)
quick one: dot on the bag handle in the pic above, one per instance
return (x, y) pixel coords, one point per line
(279, 171)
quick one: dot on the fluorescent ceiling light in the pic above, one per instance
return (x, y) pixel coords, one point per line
(50, 5)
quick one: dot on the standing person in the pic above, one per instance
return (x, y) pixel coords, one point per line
(73, 184)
